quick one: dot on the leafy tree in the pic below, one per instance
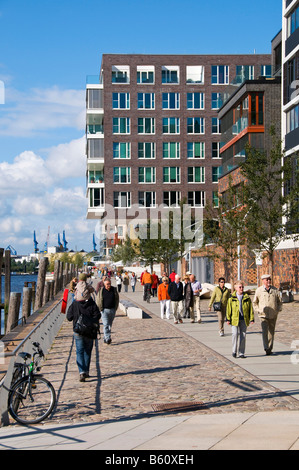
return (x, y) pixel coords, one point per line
(271, 194)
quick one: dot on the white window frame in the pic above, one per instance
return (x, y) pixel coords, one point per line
(118, 101)
(202, 197)
(166, 100)
(168, 176)
(120, 71)
(191, 123)
(120, 198)
(127, 171)
(144, 71)
(226, 75)
(191, 150)
(168, 69)
(143, 195)
(201, 100)
(192, 170)
(141, 123)
(143, 101)
(117, 120)
(166, 149)
(142, 173)
(168, 122)
(217, 125)
(146, 145)
(177, 198)
(195, 74)
(118, 151)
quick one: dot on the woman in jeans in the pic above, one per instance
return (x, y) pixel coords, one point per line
(84, 344)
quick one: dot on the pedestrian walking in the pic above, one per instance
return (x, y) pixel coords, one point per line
(147, 284)
(133, 281)
(219, 299)
(239, 314)
(188, 297)
(164, 298)
(197, 288)
(126, 281)
(172, 276)
(107, 301)
(85, 316)
(118, 281)
(176, 294)
(155, 281)
(267, 303)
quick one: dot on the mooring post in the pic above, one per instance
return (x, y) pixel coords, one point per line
(27, 301)
(56, 276)
(13, 311)
(42, 271)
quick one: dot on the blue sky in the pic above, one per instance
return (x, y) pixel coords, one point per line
(47, 48)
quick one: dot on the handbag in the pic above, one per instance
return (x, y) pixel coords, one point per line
(85, 326)
(217, 305)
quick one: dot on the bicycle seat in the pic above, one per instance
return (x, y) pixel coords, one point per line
(25, 355)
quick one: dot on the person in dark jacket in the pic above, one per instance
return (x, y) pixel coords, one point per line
(176, 294)
(84, 344)
(188, 297)
(107, 301)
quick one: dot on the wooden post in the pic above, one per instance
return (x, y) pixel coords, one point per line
(13, 311)
(56, 276)
(7, 273)
(42, 271)
(51, 293)
(33, 285)
(27, 301)
(46, 292)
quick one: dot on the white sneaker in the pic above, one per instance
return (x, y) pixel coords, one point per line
(221, 333)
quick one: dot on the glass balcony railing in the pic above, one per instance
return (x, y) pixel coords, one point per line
(93, 129)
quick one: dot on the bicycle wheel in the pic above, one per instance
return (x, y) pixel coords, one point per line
(31, 400)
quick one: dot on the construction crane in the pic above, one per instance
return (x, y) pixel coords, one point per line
(47, 241)
(94, 243)
(64, 242)
(11, 249)
(36, 250)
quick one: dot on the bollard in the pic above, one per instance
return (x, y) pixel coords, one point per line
(13, 311)
(46, 292)
(42, 271)
(27, 301)
(56, 276)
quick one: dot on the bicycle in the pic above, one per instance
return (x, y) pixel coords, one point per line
(31, 398)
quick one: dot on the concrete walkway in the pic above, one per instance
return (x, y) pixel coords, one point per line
(277, 429)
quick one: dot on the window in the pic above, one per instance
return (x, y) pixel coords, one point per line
(170, 100)
(146, 125)
(196, 174)
(120, 74)
(216, 173)
(293, 119)
(196, 198)
(171, 174)
(170, 74)
(122, 175)
(195, 125)
(147, 198)
(244, 72)
(293, 22)
(121, 100)
(146, 100)
(146, 175)
(95, 148)
(94, 99)
(145, 74)
(121, 199)
(266, 71)
(216, 146)
(121, 125)
(216, 127)
(171, 125)
(96, 197)
(195, 100)
(95, 176)
(215, 198)
(146, 150)
(171, 198)
(217, 100)
(195, 74)
(195, 150)
(171, 150)
(121, 150)
(220, 74)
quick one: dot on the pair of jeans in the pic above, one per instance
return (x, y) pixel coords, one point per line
(108, 315)
(83, 352)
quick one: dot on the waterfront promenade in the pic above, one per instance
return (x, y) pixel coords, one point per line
(250, 403)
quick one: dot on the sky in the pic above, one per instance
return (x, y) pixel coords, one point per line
(47, 48)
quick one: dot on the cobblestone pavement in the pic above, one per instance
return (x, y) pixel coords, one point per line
(150, 361)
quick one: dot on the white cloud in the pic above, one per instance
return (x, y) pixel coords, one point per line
(67, 160)
(39, 110)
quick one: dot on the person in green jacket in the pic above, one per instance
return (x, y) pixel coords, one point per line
(239, 314)
(220, 294)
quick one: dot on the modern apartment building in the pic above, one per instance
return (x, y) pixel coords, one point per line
(153, 132)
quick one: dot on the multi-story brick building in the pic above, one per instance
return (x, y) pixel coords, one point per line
(153, 132)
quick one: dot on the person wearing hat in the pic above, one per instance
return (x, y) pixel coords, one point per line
(267, 303)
